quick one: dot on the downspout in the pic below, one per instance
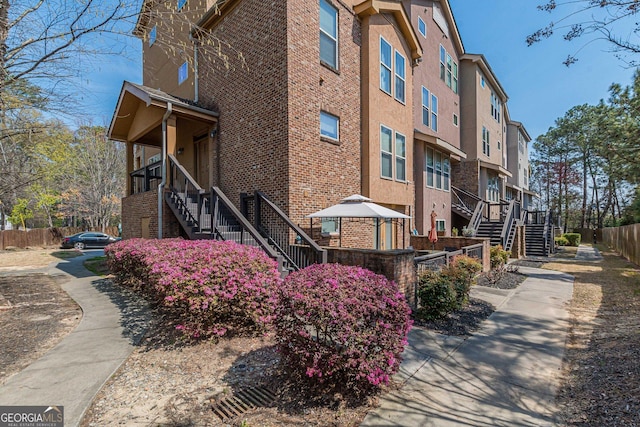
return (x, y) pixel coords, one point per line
(164, 167)
(195, 68)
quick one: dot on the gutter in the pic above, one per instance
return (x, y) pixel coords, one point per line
(164, 167)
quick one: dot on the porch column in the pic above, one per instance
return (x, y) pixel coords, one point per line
(129, 145)
(172, 140)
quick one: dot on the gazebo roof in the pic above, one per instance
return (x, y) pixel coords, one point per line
(357, 206)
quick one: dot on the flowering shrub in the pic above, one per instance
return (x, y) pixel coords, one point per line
(211, 285)
(342, 324)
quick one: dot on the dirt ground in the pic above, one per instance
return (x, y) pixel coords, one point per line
(35, 313)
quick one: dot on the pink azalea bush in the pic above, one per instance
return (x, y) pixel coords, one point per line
(211, 285)
(342, 324)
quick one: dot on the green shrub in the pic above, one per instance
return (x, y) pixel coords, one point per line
(561, 241)
(462, 272)
(573, 239)
(437, 296)
(498, 257)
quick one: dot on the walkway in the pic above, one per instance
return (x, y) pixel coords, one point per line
(588, 253)
(504, 375)
(74, 371)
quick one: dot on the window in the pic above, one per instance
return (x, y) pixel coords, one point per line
(448, 70)
(446, 173)
(499, 144)
(441, 225)
(455, 119)
(422, 27)
(482, 83)
(328, 34)
(434, 113)
(181, 4)
(385, 66)
(438, 169)
(425, 106)
(386, 154)
(183, 72)
(330, 226)
(329, 126)
(429, 167)
(496, 106)
(443, 54)
(401, 157)
(152, 36)
(485, 141)
(493, 189)
(399, 77)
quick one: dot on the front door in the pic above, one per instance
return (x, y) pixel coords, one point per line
(202, 162)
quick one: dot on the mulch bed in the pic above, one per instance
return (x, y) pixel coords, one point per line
(461, 322)
(35, 314)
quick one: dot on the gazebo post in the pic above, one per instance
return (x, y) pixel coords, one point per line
(340, 235)
(403, 242)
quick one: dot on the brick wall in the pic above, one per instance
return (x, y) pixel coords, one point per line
(141, 207)
(245, 79)
(466, 175)
(396, 265)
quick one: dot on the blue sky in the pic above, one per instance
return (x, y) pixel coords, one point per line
(540, 88)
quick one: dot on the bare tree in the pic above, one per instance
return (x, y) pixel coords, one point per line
(614, 21)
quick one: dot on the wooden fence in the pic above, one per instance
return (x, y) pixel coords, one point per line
(40, 237)
(624, 240)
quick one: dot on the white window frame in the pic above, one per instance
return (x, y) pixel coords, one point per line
(397, 77)
(443, 67)
(486, 147)
(333, 38)
(449, 70)
(387, 68)
(456, 120)
(441, 224)
(455, 78)
(430, 168)
(434, 112)
(384, 153)
(152, 35)
(438, 169)
(422, 27)
(183, 72)
(336, 120)
(426, 106)
(399, 158)
(446, 173)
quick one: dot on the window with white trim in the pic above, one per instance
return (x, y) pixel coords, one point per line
(328, 34)
(434, 112)
(455, 119)
(438, 170)
(441, 225)
(426, 113)
(152, 35)
(422, 27)
(448, 70)
(183, 72)
(385, 66)
(329, 126)
(493, 189)
(386, 152)
(401, 157)
(400, 71)
(486, 149)
(496, 106)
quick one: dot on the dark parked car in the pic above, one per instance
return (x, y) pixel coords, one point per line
(88, 239)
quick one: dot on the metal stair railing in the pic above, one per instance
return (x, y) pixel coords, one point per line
(185, 193)
(509, 223)
(465, 199)
(289, 239)
(221, 206)
(476, 218)
(546, 232)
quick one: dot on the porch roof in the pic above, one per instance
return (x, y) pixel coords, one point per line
(497, 168)
(440, 143)
(140, 109)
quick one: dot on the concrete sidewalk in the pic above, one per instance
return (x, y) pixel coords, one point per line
(588, 253)
(73, 371)
(504, 375)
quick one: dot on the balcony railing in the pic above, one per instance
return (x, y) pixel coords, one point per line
(146, 178)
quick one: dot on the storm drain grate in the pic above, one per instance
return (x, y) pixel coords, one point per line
(243, 400)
